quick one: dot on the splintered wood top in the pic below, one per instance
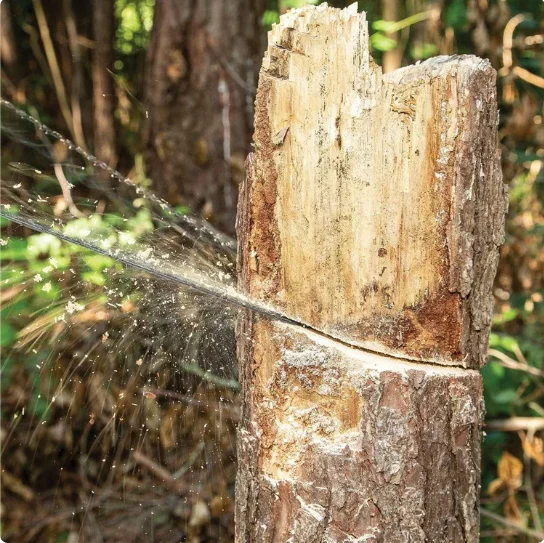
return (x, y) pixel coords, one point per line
(374, 204)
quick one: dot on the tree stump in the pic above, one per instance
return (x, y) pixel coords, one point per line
(372, 212)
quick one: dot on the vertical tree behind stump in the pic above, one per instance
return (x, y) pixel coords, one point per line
(103, 93)
(202, 69)
(372, 212)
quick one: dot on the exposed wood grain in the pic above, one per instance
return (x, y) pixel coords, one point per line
(372, 211)
(364, 215)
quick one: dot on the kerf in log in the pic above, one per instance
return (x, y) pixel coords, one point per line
(372, 213)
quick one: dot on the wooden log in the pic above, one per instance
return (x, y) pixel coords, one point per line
(372, 212)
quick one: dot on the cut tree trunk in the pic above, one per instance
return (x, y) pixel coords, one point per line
(372, 212)
(202, 69)
(103, 93)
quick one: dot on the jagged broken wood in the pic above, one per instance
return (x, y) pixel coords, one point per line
(372, 212)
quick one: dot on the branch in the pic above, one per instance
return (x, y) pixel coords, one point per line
(514, 525)
(58, 83)
(515, 424)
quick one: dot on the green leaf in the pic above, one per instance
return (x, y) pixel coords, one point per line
(40, 407)
(505, 397)
(508, 315)
(98, 262)
(509, 343)
(47, 290)
(183, 210)
(269, 18)
(386, 27)
(15, 307)
(43, 244)
(381, 42)
(62, 537)
(455, 15)
(94, 277)
(16, 249)
(494, 340)
(496, 369)
(424, 50)
(8, 334)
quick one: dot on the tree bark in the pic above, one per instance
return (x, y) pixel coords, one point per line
(202, 69)
(372, 213)
(103, 92)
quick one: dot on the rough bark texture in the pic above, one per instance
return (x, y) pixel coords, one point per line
(372, 212)
(103, 94)
(202, 69)
(341, 445)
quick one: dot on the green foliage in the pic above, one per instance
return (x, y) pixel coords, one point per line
(455, 14)
(381, 42)
(134, 23)
(273, 9)
(39, 264)
(8, 334)
(422, 51)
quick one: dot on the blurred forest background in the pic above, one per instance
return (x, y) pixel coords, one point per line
(163, 91)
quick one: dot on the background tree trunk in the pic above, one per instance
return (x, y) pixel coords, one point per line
(202, 69)
(103, 93)
(8, 50)
(392, 59)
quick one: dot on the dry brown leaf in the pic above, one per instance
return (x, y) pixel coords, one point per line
(534, 449)
(495, 486)
(510, 470)
(511, 509)
(167, 430)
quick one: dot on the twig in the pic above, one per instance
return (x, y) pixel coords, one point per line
(230, 412)
(160, 472)
(76, 80)
(231, 70)
(507, 57)
(514, 525)
(58, 83)
(528, 483)
(34, 42)
(526, 75)
(8, 84)
(507, 40)
(193, 456)
(508, 362)
(220, 382)
(535, 407)
(515, 424)
(66, 193)
(172, 394)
